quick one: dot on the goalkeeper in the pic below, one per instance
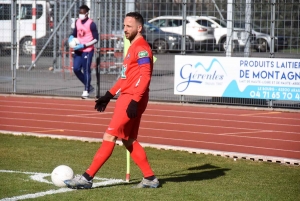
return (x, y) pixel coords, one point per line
(133, 87)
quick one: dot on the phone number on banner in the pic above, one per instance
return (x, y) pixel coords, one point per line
(275, 93)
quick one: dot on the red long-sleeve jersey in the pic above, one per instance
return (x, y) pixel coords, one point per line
(136, 71)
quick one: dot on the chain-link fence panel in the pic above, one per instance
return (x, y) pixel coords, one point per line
(39, 61)
(43, 61)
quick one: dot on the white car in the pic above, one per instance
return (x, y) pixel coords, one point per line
(201, 36)
(219, 28)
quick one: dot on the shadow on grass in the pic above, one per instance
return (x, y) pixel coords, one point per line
(197, 173)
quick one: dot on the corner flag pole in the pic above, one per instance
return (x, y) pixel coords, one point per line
(126, 46)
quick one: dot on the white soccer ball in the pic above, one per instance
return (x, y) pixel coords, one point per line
(60, 174)
(73, 42)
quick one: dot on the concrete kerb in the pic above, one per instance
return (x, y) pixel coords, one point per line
(233, 155)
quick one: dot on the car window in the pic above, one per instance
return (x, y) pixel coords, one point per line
(150, 28)
(159, 23)
(5, 12)
(202, 22)
(205, 23)
(174, 23)
(26, 11)
(221, 22)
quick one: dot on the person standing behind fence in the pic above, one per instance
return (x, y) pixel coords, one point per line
(86, 32)
(133, 86)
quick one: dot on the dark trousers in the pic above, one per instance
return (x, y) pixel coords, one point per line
(82, 67)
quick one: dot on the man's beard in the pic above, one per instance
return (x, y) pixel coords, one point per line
(132, 36)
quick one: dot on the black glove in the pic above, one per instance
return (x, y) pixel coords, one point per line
(102, 102)
(132, 109)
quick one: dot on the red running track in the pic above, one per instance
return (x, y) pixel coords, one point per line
(248, 131)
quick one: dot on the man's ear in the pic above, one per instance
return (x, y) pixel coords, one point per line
(140, 28)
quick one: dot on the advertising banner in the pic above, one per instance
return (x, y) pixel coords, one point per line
(237, 77)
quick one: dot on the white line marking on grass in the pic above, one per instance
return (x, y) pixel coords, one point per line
(35, 195)
(40, 178)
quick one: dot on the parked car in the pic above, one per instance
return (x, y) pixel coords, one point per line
(160, 41)
(219, 29)
(263, 40)
(200, 35)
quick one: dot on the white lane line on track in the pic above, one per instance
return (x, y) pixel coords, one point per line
(156, 110)
(82, 115)
(43, 110)
(254, 114)
(227, 120)
(220, 143)
(165, 130)
(165, 116)
(45, 103)
(157, 122)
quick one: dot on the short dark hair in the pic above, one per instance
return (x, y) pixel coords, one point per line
(137, 16)
(85, 7)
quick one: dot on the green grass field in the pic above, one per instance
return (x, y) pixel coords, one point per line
(184, 176)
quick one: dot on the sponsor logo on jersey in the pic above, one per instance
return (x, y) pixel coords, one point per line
(143, 54)
(123, 71)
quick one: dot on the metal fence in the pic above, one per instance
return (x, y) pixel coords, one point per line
(257, 28)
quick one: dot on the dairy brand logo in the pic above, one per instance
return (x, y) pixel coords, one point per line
(199, 74)
(143, 54)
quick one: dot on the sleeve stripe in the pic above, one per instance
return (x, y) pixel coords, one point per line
(144, 60)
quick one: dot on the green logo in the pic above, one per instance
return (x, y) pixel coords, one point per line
(143, 54)
(123, 71)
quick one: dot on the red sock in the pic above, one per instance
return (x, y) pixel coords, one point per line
(101, 156)
(138, 155)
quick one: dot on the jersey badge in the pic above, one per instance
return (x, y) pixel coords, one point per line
(123, 71)
(143, 54)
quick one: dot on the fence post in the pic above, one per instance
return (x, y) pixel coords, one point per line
(14, 44)
(270, 103)
(97, 17)
(230, 10)
(272, 28)
(33, 53)
(129, 7)
(183, 27)
(18, 35)
(248, 28)
(183, 37)
(54, 11)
